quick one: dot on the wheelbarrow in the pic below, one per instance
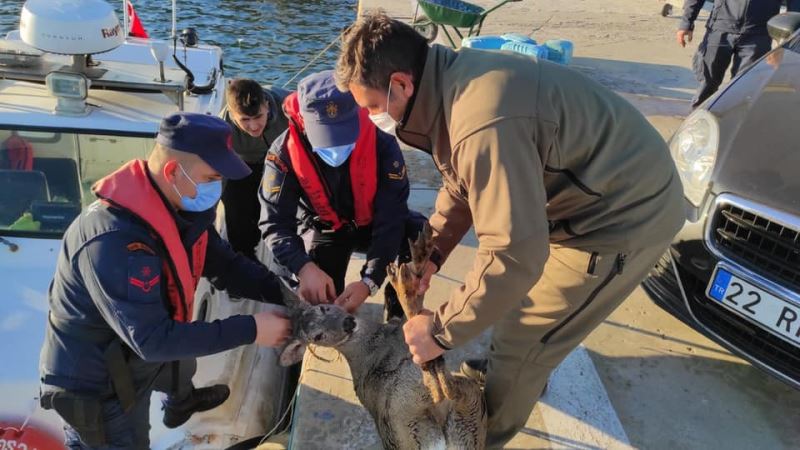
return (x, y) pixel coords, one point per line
(453, 13)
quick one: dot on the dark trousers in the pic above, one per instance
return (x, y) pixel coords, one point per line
(131, 430)
(242, 211)
(720, 50)
(332, 252)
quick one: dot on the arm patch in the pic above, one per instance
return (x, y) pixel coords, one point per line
(140, 246)
(274, 159)
(144, 278)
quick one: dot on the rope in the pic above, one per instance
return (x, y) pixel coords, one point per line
(314, 59)
(294, 396)
(289, 407)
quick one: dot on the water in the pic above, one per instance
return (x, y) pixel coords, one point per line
(267, 40)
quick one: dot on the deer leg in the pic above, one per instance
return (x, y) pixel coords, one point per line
(405, 283)
(405, 279)
(421, 250)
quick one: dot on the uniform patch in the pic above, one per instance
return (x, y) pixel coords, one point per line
(140, 246)
(399, 175)
(272, 185)
(274, 159)
(144, 278)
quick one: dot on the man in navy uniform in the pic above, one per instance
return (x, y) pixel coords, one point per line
(736, 36)
(122, 297)
(345, 180)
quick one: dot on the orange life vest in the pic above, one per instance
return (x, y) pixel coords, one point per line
(130, 188)
(363, 168)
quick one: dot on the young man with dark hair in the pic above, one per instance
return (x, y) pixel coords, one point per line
(255, 115)
(572, 193)
(334, 173)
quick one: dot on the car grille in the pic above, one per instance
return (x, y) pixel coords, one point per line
(751, 339)
(759, 244)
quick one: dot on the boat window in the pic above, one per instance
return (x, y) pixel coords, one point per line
(46, 177)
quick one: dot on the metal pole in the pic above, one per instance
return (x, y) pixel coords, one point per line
(125, 19)
(174, 18)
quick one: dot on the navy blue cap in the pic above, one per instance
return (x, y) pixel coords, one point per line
(208, 137)
(330, 116)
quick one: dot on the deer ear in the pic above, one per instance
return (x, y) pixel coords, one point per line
(290, 297)
(292, 353)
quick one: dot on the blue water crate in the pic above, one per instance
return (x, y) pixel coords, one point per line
(517, 37)
(539, 51)
(483, 42)
(559, 50)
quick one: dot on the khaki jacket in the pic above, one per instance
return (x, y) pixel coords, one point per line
(532, 154)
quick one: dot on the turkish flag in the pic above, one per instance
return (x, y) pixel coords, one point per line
(135, 28)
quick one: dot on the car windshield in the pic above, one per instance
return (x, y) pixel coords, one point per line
(46, 176)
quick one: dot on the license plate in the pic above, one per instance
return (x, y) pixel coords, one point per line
(756, 304)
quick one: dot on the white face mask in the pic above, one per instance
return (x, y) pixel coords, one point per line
(384, 121)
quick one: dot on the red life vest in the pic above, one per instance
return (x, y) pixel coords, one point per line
(19, 153)
(363, 168)
(130, 188)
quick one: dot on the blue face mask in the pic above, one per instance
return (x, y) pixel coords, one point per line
(208, 194)
(335, 156)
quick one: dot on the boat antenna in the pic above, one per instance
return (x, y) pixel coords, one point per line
(174, 19)
(125, 19)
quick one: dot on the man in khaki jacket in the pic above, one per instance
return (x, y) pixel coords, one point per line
(573, 196)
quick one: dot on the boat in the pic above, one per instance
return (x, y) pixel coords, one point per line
(78, 98)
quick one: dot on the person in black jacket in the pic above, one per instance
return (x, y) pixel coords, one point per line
(254, 113)
(335, 173)
(122, 298)
(736, 36)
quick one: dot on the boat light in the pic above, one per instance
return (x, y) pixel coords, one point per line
(71, 90)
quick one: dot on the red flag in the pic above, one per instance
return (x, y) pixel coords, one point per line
(135, 28)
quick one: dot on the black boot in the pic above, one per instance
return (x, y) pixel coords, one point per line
(391, 304)
(202, 399)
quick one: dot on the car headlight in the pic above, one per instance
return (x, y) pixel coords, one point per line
(694, 150)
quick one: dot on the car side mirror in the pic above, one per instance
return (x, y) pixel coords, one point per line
(782, 26)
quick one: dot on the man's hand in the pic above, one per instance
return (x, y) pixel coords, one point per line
(315, 285)
(425, 281)
(419, 339)
(353, 296)
(683, 36)
(272, 328)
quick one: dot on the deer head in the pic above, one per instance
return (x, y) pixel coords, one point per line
(323, 325)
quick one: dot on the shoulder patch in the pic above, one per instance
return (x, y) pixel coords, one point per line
(144, 278)
(140, 246)
(398, 174)
(275, 159)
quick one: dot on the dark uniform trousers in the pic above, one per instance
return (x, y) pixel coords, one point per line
(242, 211)
(721, 49)
(110, 427)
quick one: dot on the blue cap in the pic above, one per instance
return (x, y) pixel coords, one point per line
(206, 136)
(330, 116)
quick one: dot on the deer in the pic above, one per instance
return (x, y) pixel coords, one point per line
(413, 407)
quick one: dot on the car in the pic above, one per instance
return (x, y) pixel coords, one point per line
(733, 271)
